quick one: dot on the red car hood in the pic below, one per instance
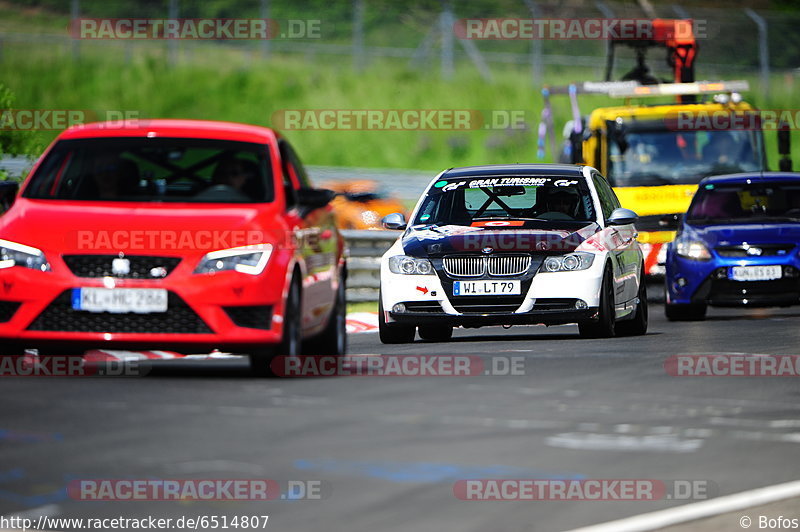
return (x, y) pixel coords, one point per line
(110, 227)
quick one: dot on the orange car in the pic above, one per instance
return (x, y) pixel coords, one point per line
(361, 205)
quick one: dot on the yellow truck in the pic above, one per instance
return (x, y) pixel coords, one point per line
(652, 151)
(655, 154)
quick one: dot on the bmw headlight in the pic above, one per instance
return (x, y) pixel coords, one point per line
(248, 259)
(13, 254)
(567, 263)
(410, 266)
(692, 249)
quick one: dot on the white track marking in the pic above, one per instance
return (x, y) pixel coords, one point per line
(615, 442)
(699, 510)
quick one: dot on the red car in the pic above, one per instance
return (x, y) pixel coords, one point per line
(171, 234)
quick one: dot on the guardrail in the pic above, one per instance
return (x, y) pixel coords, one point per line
(363, 264)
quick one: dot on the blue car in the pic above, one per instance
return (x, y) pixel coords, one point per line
(736, 246)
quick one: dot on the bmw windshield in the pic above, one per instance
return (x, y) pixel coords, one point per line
(491, 201)
(154, 170)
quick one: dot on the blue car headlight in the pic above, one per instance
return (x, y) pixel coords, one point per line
(692, 249)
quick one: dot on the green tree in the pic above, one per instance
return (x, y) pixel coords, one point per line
(13, 142)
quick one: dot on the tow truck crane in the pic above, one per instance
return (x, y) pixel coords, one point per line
(649, 155)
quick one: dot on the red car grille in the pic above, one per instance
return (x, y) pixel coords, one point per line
(140, 267)
(60, 316)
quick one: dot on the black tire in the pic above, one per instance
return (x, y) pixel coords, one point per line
(638, 325)
(291, 341)
(605, 324)
(685, 312)
(435, 333)
(393, 333)
(332, 340)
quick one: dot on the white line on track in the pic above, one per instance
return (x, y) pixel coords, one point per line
(616, 442)
(48, 510)
(699, 510)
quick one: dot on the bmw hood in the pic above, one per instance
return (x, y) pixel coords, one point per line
(437, 241)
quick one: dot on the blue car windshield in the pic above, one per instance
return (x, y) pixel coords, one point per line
(758, 202)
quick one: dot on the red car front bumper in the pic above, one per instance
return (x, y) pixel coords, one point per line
(229, 311)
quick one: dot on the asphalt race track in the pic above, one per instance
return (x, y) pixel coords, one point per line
(388, 450)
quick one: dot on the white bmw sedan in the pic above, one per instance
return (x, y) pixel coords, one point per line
(509, 245)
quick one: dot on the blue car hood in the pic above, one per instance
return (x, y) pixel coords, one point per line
(731, 235)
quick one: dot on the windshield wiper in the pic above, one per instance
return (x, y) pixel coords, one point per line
(434, 228)
(502, 219)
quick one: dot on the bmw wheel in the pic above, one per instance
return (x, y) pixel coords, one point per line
(605, 324)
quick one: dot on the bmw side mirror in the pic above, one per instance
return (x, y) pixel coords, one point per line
(396, 221)
(622, 217)
(8, 193)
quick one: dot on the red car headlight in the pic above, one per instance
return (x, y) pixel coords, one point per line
(13, 254)
(247, 259)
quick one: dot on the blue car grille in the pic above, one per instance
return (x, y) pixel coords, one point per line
(755, 250)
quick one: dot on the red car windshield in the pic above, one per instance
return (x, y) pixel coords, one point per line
(154, 170)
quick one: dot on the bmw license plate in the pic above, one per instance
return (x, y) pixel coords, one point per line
(755, 273)
(487, 288)
(120, 300)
